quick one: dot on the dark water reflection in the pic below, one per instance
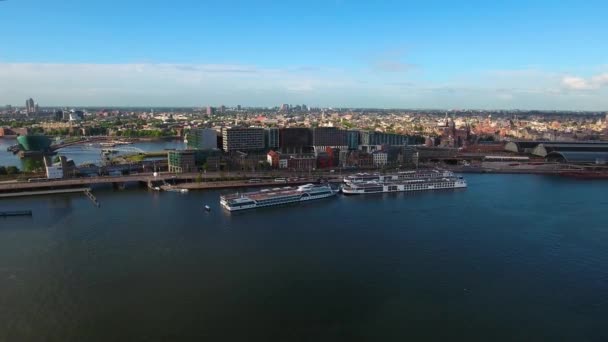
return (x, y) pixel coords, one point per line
(511, 258)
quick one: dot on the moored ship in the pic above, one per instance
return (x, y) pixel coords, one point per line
(399, 176)
(276, 196)
(373, 187)
(418, 180)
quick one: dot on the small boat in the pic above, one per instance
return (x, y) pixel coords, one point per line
(208, 208)
(183, 191)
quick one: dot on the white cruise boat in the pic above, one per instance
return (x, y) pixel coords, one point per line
(276, 196)
(372, 187)
(399, 176)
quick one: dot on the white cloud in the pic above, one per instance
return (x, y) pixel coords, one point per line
(579, 83)
(166, 84)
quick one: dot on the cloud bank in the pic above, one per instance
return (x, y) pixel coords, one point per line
(167, 84)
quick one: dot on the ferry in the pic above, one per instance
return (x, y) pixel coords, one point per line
(375, 186)
(399, 176)
(276, 196)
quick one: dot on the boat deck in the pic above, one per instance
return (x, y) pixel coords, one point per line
(265, 194)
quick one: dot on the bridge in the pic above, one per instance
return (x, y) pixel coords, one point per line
(141, 177)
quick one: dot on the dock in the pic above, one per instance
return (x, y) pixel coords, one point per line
(15, 213)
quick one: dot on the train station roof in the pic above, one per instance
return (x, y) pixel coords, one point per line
(578, 157)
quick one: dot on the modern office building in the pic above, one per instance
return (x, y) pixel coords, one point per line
(295, 139)
(323, 137)
(352, 139)
(378, 138)
(271, 138)
(243, 139)
(202, 139)
(180, 161)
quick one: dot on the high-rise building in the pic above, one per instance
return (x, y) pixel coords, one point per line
(30, 106)
(271, 138)
(210, 110)
(238, 107)
(243, 139)
(58, 114)
(222, 109)
(304, 108)
(202, 139)
(284, 107)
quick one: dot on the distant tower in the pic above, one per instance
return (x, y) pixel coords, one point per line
(30, 106)
(210, 110)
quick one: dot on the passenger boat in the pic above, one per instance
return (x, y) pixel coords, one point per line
(276, 196)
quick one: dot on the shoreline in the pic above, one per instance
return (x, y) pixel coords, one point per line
(9, 188)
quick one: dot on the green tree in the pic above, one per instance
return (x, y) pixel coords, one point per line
(12, 170)
(2, 170)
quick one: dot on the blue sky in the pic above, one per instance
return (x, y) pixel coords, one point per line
(431, 54)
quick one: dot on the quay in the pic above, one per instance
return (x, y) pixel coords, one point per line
(147, 178)
(15, 213)
(241, 184)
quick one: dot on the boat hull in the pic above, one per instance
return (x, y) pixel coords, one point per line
(399, 188)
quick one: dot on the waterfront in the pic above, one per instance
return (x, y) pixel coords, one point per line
(514, 257)
(81, 153)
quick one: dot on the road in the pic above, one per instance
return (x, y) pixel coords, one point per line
(144, 177)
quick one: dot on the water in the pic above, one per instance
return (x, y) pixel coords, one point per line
(512, 258)
(82, 154)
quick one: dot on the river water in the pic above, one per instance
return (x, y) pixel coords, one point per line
(512, 258)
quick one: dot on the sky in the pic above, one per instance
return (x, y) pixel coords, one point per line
(335, 53)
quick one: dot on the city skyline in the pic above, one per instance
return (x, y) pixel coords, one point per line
(543, 55)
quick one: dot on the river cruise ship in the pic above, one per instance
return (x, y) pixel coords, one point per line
(399, 176)
(276, 196)
(372, 187)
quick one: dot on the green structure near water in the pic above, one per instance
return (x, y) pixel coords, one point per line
(39, 143)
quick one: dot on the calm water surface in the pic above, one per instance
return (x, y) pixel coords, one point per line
(512, 258)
